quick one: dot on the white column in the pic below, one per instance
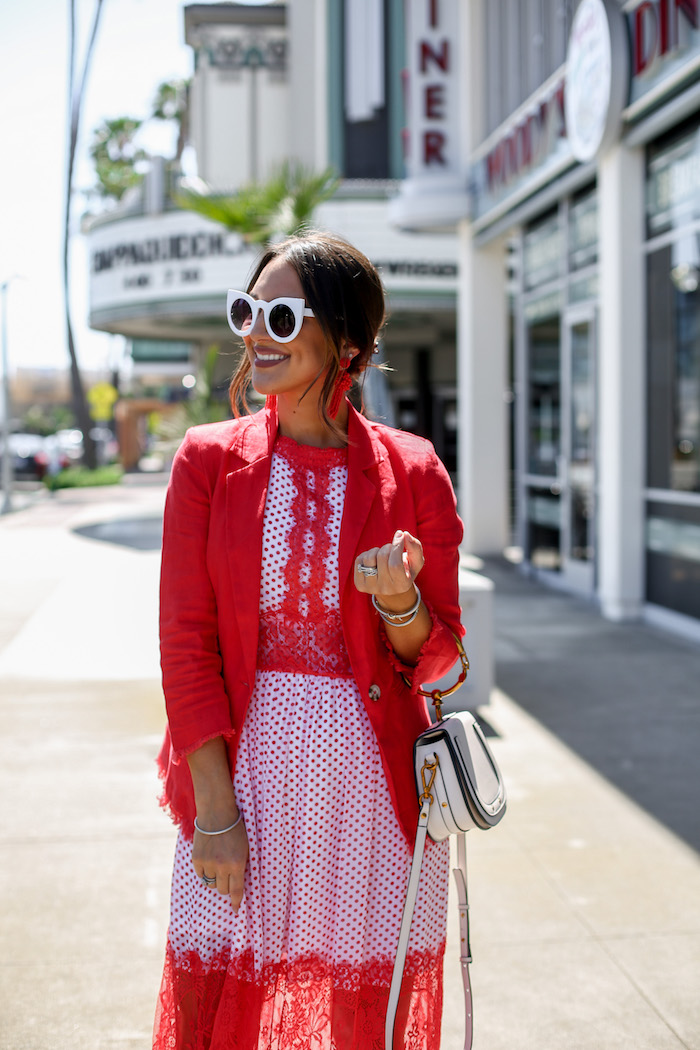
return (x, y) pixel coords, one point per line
(482, 349)
(308, 82)
(621, 370)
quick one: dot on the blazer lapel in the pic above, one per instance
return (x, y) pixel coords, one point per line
(246, 492)
(360, 493)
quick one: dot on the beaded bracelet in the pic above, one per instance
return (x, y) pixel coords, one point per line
(223, 830)
(399, 619)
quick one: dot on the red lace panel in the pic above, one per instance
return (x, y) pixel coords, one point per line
(310, 1005)
(300, 627)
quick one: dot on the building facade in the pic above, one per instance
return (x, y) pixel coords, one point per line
(275, 82)
(579, 300)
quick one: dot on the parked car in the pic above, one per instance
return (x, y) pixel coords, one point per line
(31, 456)
(28, 456)
(71, 443)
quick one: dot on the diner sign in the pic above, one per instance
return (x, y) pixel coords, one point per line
(664, 34)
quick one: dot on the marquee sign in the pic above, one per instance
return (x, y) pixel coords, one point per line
(169, 257)
(179, 258)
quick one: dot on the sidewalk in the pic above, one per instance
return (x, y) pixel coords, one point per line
(585, 908)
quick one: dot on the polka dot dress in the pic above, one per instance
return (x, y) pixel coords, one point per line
(307, 960)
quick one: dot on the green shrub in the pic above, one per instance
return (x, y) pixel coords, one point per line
(81, 477)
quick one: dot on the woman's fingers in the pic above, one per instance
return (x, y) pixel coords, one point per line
(392, 568)
(413, 554)
(235, 891)
(222, 859)
(366, 564)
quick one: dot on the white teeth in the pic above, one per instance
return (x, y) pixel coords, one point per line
(270, 357)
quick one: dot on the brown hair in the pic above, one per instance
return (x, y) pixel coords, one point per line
(345, 292)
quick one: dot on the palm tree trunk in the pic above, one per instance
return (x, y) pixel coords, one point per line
(75, 96)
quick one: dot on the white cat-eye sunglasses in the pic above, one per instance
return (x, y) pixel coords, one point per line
(283, 317)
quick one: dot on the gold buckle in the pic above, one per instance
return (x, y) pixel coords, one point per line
(431, 767)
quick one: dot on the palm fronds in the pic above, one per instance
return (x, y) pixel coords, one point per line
(262, 212)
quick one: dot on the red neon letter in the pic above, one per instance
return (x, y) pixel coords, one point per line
(428, 53)
(433, 13)
(644, 50)
(689, 9)
(494, 166)
(523, 131)
(433, 143)
(663, 27)
(434, 101)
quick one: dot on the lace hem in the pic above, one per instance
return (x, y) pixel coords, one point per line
(309, 1004)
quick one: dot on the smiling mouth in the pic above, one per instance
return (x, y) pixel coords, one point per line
(269, 359)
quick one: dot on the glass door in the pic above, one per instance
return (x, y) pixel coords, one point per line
(558, 483)
(578, 450)
(542, 490)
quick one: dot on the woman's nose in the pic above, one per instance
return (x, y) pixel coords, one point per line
(258, 328)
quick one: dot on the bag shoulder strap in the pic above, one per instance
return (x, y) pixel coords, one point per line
(460, 874)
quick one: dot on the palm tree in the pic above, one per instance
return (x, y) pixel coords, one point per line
(76, 94)
(172, 102)
(117, 160)
(264, 211)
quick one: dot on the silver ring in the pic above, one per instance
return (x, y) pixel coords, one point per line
(367, 570)
(208, 880)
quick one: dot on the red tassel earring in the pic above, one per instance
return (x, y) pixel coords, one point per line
(343, 382)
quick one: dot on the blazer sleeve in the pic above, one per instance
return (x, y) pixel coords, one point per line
(440, 531)
(196, 701)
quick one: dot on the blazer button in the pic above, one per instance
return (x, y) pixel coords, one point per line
(374, 692)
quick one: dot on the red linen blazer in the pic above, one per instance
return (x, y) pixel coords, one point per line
(210, 589)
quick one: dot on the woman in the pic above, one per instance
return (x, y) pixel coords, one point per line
(290, 615)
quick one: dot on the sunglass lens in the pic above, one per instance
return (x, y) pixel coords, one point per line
(282, 321)
(241, 314)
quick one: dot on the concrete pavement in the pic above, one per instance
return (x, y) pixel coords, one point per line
(585, 905)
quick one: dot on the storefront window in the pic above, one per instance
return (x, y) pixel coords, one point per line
(673, 373)
(673, 557)
(581, 463)
(544, 529)
(583, 231)
(560, 278)
(542, 252)
(673, 183)
(544, 396)
(584, 290)
(673, 378)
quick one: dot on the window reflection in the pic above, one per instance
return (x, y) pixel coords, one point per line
(544, 394)
(674, 378)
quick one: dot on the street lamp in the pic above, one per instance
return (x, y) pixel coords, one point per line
(6, 473)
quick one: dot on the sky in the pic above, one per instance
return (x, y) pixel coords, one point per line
(140, 44)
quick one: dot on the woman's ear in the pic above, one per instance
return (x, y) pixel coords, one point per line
(351, 351)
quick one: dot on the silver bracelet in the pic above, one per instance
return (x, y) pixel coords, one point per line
(223, 830)
(399, 619)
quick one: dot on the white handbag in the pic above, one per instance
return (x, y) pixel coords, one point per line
(459, 787)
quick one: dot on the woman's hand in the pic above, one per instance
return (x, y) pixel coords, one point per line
(223, 857)
(397, 564)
